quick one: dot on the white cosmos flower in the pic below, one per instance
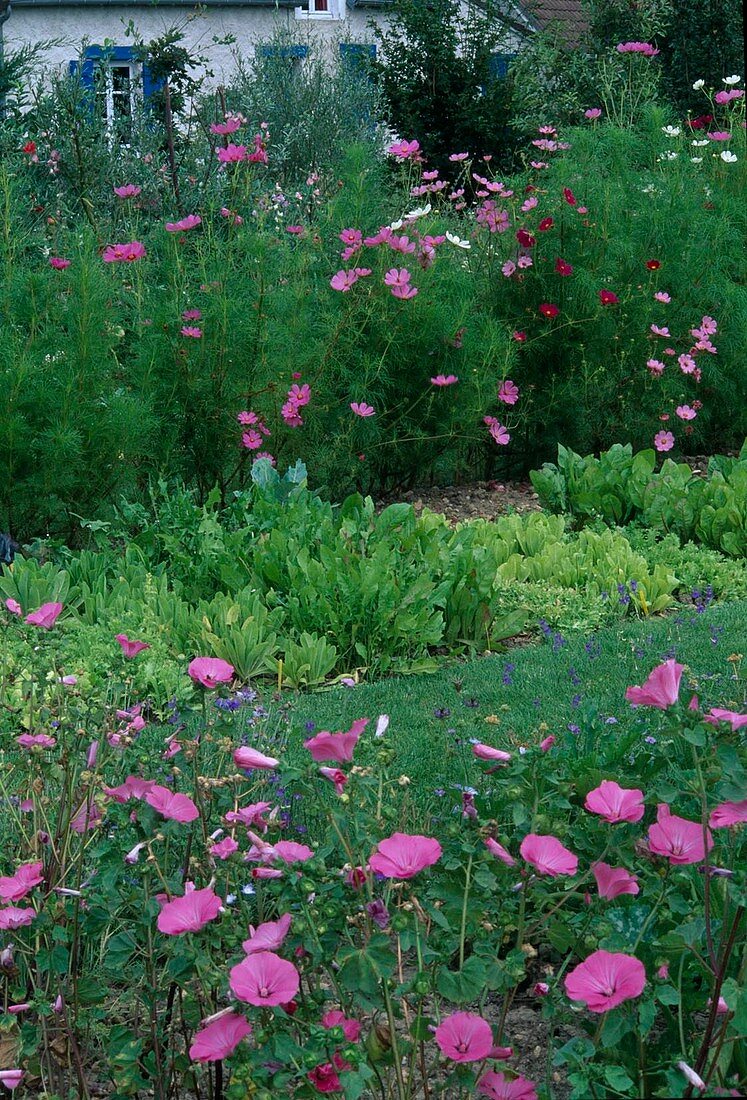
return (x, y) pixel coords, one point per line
(418, 212)
(396, 225)
(452, 238)
(671, 131)
(696, 160)
(698, 85)
(668, 154)
(732, 79)
(729, 157)
(700, 144)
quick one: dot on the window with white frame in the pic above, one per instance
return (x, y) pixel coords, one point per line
(115, 80)
(322, 9)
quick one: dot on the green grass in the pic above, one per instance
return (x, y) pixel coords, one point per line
(435, 752)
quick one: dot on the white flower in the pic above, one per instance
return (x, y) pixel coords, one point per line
(698, 85)
(452, 238)
(668, 154)
(732, 79)
(700, 144)
(729, 157)
(418, 212)
(696, 160)
(671, 131)
(396, 225)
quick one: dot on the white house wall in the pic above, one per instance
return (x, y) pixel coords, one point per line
(76, 25)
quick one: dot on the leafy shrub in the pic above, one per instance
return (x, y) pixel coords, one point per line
(620, 486)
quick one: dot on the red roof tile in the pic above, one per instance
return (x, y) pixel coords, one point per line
(567, 15)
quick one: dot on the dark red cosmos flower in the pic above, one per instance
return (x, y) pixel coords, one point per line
(653, 265)
(525, 239)
(608, 298)
(562, 268)
(29, 147)
(548, 309)
(569, 197)
(700, 122)
(546, 223)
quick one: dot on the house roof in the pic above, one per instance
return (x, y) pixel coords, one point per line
(152, 3)
(567, 15)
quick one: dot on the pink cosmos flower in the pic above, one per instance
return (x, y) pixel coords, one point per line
(175, 807)
(248, 759)
(189, 913)
(130, 649)
(644, 48)
(360, 408)
(15, 917)
(605, 980)
(59, 263)
(230, 126)
(547, 855)
(191, 331)
(397, 277)
(220, 1038)
(593, 113)
(727, 814)
(184, 224)
(36, 740)
(720, 135)
(613, 881)
(224, 848)
(685, 412)
(661, 689)
(21, 882)
(210, 671)
(405, 150)
(268, 936)
(336, 746)
(344, 280)
(45, 616)
(663, 441)
(716, 714)
(662, 296)
(464, 1037)
(13, 606)
(499, 852)
(508, 392)
(655, 366)
(615, 803)
(496, 1086)
(351, 1027)
(123, 253)
(264, 980)
(456, 157)
(497, 430)
(508, 268)
(444, 380)
(608, 298)
(724, 97)
(403, 855)
(677, 839)
(487, 752)
(235, 219)
(548, 309)
(660, 330)
(127, 191)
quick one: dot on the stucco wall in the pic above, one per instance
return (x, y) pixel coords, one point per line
(247, 25)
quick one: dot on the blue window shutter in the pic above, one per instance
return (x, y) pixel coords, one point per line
(499, 65)
(267, 50)
(87, 71)
(358, 52)
(151, 86)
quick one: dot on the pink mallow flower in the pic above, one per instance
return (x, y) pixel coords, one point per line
(487, 752)
(219, 1039)
(727, 814)
(496, 1086)
(403, 855)
(21, 882)
(547, 855)
(45, 616)
(268, 936)
(613, 881)
(351, 1027)
(464, 1037)
(336, 776)
(175, 807)
(11, 1078)
(224, 848)
(735, 720)
(248, 759)
(264, 980)
(13, 606)
(499, 852)
(338, 747)
(605, 980)
(15, 917)
(210, 671)
(130, 649)
(615, 803)
(677, 839)
(661, 689)
(189, 913)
